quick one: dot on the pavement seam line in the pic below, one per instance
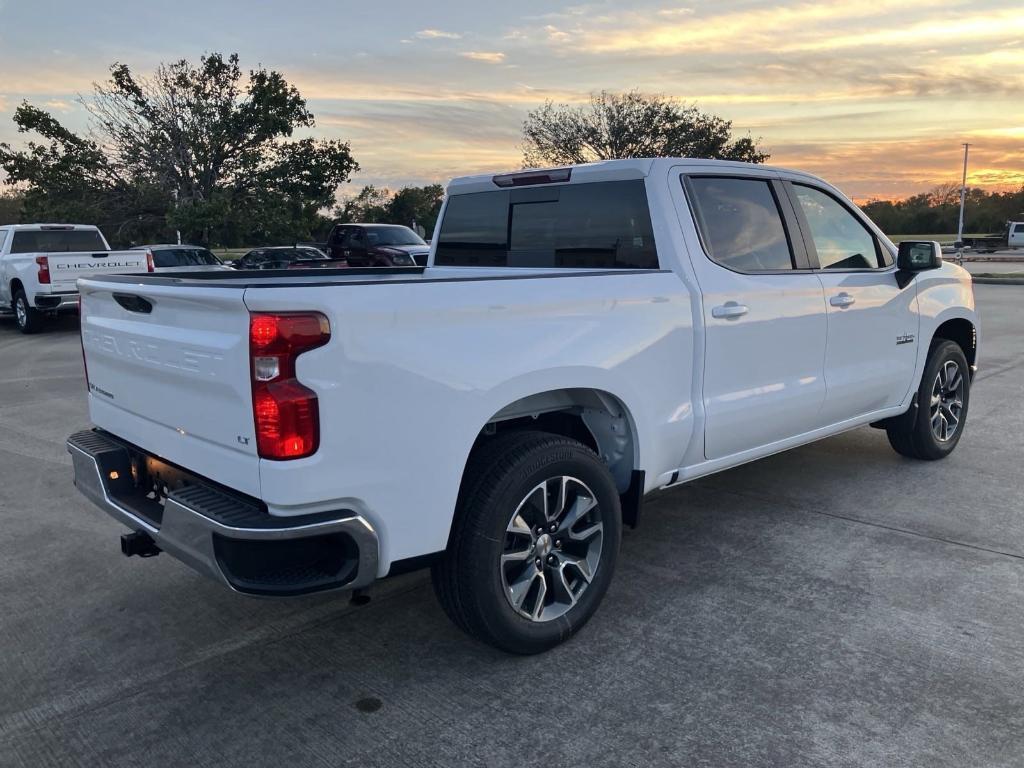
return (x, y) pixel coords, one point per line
(896, 529)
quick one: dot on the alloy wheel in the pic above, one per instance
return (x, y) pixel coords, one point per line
(947, 401)
(552, 548)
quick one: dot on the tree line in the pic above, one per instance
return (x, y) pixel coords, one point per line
(938, 211)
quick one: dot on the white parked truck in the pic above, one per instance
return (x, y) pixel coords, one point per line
(40, 265)
(580, 337)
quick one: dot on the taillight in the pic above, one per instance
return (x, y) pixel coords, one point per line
(150, 266)
(285, 413)
(43, 265)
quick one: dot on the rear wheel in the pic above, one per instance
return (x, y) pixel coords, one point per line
(932, 429)
(28, 318)
(534, 542)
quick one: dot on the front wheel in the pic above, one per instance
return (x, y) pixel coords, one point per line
(932, 430)
(534, 542)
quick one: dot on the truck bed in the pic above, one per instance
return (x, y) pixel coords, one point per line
(418, 361)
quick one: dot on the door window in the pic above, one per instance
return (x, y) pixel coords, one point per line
(740, 223)
(840, 238)
(1018, 229)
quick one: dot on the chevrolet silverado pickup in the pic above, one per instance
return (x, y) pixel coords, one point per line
(40, 265)
(579, 337)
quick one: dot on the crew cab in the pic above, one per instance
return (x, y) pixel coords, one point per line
(40, 264)
(580, 337)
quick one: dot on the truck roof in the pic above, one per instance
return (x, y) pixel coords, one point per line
(612, 170)
(41, 226)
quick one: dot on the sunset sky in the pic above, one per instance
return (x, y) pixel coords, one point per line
(875, 96)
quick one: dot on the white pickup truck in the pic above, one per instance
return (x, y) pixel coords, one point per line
(40, 265)
(580, 337)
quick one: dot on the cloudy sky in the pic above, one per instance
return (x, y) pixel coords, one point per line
(875, 95)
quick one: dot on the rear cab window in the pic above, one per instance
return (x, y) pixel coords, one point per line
(593, 225)
(56, 241)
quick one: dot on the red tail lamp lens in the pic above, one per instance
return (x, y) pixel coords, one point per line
(43, 270)
(286, 414)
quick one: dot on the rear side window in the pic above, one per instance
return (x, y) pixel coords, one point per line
(600, 225)
(56, 241)
(740, 223)
(841, 240)
(1018, 229)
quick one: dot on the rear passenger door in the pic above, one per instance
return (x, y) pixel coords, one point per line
(763, 312)
(872, 322)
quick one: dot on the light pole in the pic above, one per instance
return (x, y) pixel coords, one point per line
(177, 232)
(963, 200)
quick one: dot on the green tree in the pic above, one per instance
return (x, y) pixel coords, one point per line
(11, 204)
(419, 205)
(631, 124)
(373, 205)
(199, 148)
(368, 206)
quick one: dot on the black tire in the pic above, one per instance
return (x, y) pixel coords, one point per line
(912, 434)
(470, 581)
(28, 318)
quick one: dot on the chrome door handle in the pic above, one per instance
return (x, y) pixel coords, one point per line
(842, 300)
(730, 310)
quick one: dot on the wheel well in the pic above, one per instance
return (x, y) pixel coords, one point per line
(961, 332)
(596, 418)
(15, 287)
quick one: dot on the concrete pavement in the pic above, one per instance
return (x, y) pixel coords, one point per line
(833, 605)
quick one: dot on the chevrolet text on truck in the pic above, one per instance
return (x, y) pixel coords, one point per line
(579, 337)
(40, 265)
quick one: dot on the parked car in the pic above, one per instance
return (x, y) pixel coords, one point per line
(283, 257)
(40, 264)
(377, 245)
(582, 337)
(181, 258)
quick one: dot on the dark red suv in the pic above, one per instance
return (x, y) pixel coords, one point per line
(377, 245)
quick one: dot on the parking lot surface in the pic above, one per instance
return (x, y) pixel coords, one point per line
(832, 605)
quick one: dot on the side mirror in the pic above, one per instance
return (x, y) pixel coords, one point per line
(919, 255)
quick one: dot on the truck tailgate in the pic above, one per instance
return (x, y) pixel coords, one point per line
(66, 268)
(168, 370)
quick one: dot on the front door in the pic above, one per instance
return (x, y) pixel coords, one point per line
(872, 322)
(763, 313)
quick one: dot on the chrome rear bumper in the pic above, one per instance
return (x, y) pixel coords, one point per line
(225, 536)
(56, 301)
